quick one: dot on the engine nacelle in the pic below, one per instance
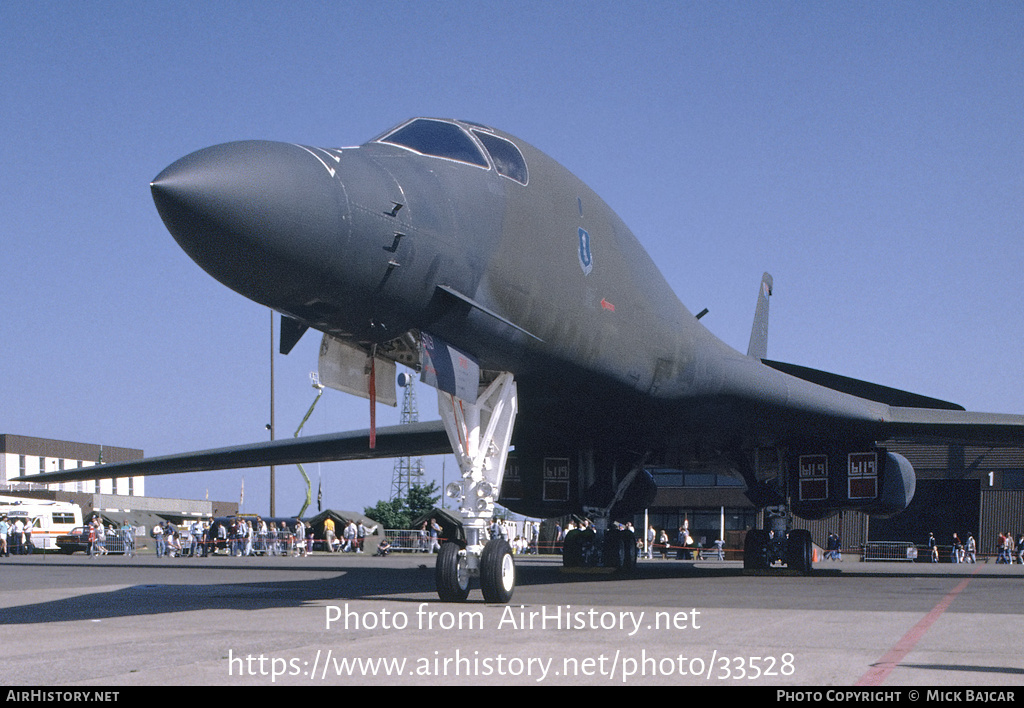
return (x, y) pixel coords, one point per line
(876, 482)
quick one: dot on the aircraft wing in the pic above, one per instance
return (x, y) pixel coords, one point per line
(861, 389)
(951, 426)
(911, 417)
(413, 439)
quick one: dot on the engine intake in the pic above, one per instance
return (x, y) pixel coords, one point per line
(877, 482)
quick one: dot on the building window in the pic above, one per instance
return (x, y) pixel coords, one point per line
(704, 524)
(670, 477)
(667, 477)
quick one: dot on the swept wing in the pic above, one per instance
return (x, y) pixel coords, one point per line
(413, 439)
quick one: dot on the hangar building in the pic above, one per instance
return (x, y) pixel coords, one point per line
(960, 489)
(21, 455)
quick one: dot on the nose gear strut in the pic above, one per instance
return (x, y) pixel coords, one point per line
(480, 434)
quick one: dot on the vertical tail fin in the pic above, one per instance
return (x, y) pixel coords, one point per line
(758, 347)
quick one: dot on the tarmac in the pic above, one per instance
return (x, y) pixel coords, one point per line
(347, 619)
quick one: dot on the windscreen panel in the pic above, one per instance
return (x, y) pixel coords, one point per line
(508, 160)
(437, 139)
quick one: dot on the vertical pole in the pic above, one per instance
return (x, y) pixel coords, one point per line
(647, 525)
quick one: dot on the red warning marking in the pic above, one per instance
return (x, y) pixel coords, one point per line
(373, 402)
(605, 305)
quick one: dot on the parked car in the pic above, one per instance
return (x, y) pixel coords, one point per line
(77, 540)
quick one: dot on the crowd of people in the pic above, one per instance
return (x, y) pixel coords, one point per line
(15, 537)
(99, 534)
(1008, 550)
(244, 536)
(684, 546)
(353, 536)
(524, 543)
(236, 536)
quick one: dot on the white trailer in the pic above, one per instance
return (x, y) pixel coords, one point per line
(46, 519)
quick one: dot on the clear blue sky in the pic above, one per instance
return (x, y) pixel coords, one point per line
(869, 155)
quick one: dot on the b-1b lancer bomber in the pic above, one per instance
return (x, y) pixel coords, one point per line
(513, 289)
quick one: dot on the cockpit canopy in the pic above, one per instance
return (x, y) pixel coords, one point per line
(451, 141)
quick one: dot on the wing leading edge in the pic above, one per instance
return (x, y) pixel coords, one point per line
(413, 439)
(861, 389)
(953, 426)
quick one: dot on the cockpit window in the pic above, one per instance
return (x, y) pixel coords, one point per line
(438, 139)
(507, 158)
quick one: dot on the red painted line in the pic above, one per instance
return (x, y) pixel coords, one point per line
(373, 401)
(881, 669)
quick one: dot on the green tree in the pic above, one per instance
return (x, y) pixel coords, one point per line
(389, 514)
(399, 513)
(421, 499)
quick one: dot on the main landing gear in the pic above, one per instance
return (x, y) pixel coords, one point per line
(778, 543)
(591, 547)
(604, 544)
(480, 433)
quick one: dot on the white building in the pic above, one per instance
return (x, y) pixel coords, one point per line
(21, 455)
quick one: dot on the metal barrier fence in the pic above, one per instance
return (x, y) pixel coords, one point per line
(409, 541)
(414, 541)
(114, 543)
(890, 551)
(183, 546)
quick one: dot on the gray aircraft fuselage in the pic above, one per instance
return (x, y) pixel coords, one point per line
(475, 237)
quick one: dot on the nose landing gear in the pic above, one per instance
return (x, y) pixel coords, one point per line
(480, 433)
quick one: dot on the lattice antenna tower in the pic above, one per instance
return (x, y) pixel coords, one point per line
(408, 470)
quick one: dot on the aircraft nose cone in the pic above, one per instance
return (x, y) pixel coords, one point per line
(253, 213)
